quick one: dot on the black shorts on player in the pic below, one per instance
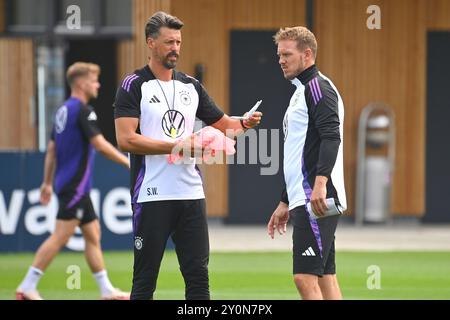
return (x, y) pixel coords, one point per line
(82, 210)
(313, 243)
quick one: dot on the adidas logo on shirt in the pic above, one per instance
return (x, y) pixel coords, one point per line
(154, 100)
(309, 252)
(92, 116)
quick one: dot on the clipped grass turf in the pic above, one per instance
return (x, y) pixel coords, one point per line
(249, 275)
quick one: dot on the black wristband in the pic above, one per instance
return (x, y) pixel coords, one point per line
(243, 126)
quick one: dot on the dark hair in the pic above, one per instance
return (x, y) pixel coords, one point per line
(158, 20)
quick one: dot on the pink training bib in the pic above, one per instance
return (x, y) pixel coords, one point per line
(212, 138)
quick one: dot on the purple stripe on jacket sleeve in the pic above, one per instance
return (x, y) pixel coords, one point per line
(319, 92)
(126, 83)
(313, 92)
(129, 79)
(129, 83)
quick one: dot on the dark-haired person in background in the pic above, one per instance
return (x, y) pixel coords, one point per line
(155, 110)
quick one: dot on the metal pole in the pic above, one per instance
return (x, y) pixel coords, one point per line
(42, 130)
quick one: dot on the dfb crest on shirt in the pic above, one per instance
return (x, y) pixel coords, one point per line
(185, 98)
(173, 123)
(61, 119)
(285, 126)
(138, 242)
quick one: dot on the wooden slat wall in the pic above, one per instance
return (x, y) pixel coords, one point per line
(438, 15)
(383, 65)
(132, 54)
(379, 65)
(17, 89)
(265, 14)
(2, 15)
(206, 40)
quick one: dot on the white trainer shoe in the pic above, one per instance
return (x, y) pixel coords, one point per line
(30, 295)
(117, 294)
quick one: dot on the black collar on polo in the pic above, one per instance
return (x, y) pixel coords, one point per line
(308, 74)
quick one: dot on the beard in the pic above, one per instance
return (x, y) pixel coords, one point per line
(170, 64)
(292, 75)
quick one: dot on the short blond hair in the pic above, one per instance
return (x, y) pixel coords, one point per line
(81, 69)
(304, 37)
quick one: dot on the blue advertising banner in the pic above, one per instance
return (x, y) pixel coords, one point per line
(25, 223)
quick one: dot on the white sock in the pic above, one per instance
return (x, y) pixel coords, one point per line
(103, 282)
(31, 280)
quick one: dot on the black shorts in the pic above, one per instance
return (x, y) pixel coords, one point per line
(313, 243)
(82, 210)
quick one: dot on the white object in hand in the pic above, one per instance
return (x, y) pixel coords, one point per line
(250, 113)
(332, 210)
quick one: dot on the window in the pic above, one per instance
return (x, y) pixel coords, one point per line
(117, 14)
(29, 16)
(86, 16)
(56, 17)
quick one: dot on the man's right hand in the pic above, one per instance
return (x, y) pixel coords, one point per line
(191, 147)
(278, 220)
(46, 193)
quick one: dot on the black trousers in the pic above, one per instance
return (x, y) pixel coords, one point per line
(185, 221)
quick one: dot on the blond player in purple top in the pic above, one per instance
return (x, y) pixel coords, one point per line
(68, 166)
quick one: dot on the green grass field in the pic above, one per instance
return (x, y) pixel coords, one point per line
(251, 275)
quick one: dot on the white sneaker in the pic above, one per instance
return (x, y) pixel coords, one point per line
(117, 294)
(30, 295)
